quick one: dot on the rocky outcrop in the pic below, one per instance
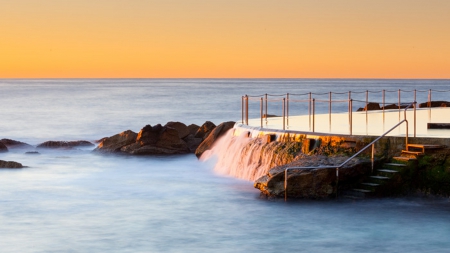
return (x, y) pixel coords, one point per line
(216, 133)
(12, 144)
(205, 130)
(64, 144)
(10, 165)
(116, 142)
(3, 148)
(311, 181)
(435, 104)
(172, 138)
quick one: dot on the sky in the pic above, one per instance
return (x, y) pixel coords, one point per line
(225, 39)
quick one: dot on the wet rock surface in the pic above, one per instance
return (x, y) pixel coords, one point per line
(172, 138)
(10, 165)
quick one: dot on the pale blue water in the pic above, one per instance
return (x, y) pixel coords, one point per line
(75, 201)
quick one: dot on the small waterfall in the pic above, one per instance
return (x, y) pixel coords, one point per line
(247, 158)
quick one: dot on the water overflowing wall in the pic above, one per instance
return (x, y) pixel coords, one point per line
(239, 155)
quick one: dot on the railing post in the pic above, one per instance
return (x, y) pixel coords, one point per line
(284, 109)
(373, 155)
(285, 184)
(415, 103)
(429, 105)
(309, 110)
(337, 181)
(384, 104)
(349, 97)
(242, 109)
(367, 107)
(399, 106)
(351, 116)
(267, 113)
(313, 114)
(246, 109)
(287, 110)
(261, 110)
(329, 112)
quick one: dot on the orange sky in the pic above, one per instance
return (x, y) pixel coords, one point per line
(224, 39)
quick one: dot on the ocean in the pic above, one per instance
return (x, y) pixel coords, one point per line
(78, 201)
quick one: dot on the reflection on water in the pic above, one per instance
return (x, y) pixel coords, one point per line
(92, 203)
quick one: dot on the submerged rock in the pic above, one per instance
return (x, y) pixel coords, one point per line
(10, 165)
(64, 144)
(3, 148)
(12, 144)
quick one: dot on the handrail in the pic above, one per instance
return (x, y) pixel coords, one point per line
(353, 156)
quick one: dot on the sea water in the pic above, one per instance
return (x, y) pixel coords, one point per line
(77, 201)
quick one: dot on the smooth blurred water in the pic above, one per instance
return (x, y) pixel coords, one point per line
(76, 201)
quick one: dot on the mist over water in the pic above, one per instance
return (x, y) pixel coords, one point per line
(76, 201)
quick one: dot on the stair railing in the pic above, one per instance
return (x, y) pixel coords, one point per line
(372, 144)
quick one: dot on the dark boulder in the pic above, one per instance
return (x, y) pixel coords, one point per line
(148, 135)
(3, 148)
(12, 144)
(205, 130)
(181, 128)
(215, 134)
(116, 142)
(192, 142)
(193, 128)
(435, 104)
(64, 144)
(10, 165)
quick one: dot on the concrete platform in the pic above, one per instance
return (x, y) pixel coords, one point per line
(372, 123)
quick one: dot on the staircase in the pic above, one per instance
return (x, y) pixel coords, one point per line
(384, 180)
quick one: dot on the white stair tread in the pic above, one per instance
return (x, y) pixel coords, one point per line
(370, 184)
(388, 171)
(379, 177)
(396, 164)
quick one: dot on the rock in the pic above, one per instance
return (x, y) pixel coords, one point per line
(213, 136)
(3, 148)
(181, 128)
(193, 128)
(170, 139)
(192, 142)
(313, 183)
(12, 144)
(205, 130)
(372, 106)
(10, 165)
(32, 153)
(116, 142)
(153, 150)
(64, 144)
(435, 104)
(149, 135)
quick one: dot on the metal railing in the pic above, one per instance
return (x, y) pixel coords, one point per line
(286, 100)
(372, 144)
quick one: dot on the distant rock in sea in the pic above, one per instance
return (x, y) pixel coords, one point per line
(10, 165)
(12, 144)
(64, 144)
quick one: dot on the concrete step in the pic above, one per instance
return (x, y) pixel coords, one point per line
(362, 190)
(370, 184)
(423, 147)
(411, 153)
(388, 171)
(398, 165)
(379, 177)
(403, 159)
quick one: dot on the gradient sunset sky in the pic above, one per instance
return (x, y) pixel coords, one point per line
(224, 39)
